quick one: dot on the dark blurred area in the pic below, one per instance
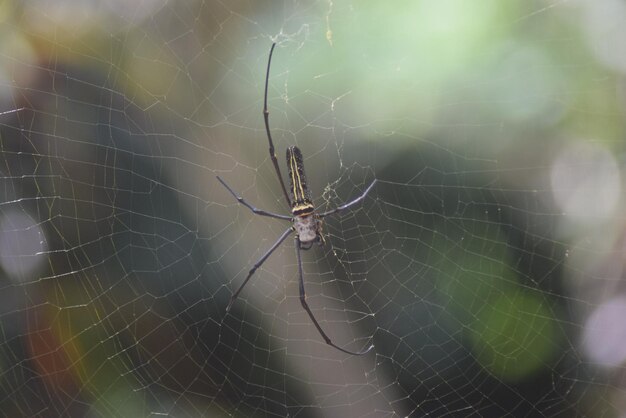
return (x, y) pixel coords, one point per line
(486, 265)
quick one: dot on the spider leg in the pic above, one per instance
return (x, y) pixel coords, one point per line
(308, 310)
(266, 118)
(258, 264)
(249, 206)
(347, 205)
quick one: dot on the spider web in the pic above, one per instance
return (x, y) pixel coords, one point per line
(485, 266)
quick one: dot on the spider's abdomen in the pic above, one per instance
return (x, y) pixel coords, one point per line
(306, 228)
(302, 204)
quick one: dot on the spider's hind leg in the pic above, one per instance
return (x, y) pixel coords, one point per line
(305, 305)
(258, 264)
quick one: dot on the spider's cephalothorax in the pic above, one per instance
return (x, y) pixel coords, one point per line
(306, 222)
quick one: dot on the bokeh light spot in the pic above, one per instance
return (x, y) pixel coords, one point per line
(22, 245)
(603, 22)
(586, 182)
(604, 337)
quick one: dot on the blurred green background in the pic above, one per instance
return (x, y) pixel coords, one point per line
(486, 265)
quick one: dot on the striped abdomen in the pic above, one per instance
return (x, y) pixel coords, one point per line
(302, 203)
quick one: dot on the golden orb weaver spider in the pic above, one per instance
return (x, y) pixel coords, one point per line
(306, 222)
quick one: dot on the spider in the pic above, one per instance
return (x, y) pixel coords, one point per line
(306, 221)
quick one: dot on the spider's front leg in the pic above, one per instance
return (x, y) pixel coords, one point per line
(249, 206)
(351, 203)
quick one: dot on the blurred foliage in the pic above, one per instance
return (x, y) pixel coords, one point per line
(459, 263)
